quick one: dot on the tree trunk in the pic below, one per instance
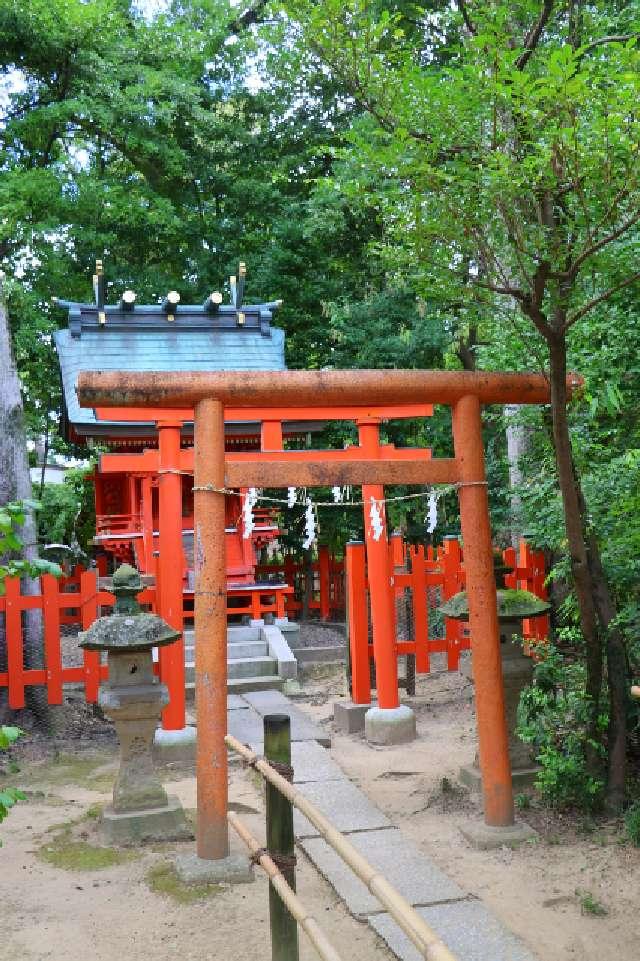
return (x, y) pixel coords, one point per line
(595, 604)
(516, 434)
(15, 484)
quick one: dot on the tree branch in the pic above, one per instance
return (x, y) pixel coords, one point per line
(599, 299)
(532, 38)
(599, 244)
(623, 38)
(468, 22)
(248, 18)
(514, 292)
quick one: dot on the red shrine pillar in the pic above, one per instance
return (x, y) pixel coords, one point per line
(493, 744)
(212, 832)
(169, 570)
(389, 722)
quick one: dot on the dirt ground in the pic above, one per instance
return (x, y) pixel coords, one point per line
(63, 896)
(547, 891)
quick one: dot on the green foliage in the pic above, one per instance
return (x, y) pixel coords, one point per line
(12, 517)
(67, 513)
(632, 824)
(8, 795)
(590, 904)
(552, 716)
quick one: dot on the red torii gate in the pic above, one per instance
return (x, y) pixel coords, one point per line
(208, 394)
(169, 461)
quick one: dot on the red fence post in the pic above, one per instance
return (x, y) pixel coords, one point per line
(357, 622)
(452, 583)
(420, 612)
(323, 577)
(15, 642)
(88, 614)
(51, 597)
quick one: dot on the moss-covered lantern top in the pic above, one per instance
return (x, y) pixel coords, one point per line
(129, 628)
(513, 605)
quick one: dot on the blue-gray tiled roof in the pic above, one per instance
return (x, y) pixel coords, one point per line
(144, 340)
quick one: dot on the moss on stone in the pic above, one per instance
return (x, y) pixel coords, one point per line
(512, 604)
(163, 879)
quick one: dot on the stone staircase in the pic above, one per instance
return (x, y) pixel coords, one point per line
(250, 666)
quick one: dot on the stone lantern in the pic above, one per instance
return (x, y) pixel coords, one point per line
(133, 699)
(517, 668)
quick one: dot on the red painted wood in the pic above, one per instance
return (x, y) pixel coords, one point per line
(15, 645)
(51, 595)
(358, 625)
(420, 611)
(88, 614)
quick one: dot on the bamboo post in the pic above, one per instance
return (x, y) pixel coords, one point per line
(280, 839)
(308, 923)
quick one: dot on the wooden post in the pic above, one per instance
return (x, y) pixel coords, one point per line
(51, 597)
(210, 603)
(15, 642)
(169, 568)
(280, 839)
(357, 623)
(88, 614)
(323, 578)
(420, 610)
(493, 740)
(147, 524)
(379, 575)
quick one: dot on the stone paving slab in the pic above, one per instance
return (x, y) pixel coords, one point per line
(236, 703)
(414, 875)
(343, 804)
(267, 702)
(302, 728)
(310, 761)
(468, 929)
(247, 726)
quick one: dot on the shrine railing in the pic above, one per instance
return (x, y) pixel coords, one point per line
(423, 578)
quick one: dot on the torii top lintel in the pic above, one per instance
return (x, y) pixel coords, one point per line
(301, 388)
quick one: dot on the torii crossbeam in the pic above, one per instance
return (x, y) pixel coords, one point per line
(208, 394)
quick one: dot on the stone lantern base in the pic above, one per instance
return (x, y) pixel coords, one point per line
(167, 823)
(517, 669)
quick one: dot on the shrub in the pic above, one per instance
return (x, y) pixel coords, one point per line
(632, 824)
(8, 795)
(553, 715)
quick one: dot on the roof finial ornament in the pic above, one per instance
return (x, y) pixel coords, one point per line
(170, 304)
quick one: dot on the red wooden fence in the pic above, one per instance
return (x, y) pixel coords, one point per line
(423, 579)
(327, 587)
(60, 605)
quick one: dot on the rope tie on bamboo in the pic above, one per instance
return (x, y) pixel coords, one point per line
(284, 770)
(283, 862)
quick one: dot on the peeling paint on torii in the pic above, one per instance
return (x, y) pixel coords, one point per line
(208, 394)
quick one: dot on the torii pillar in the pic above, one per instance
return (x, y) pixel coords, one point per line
(388, 721)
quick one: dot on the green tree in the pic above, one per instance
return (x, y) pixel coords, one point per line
(504, 139)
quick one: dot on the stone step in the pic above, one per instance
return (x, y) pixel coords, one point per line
(235, 633)
(235, 651)
(238, 685)
(251, 666)
(241, 667)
